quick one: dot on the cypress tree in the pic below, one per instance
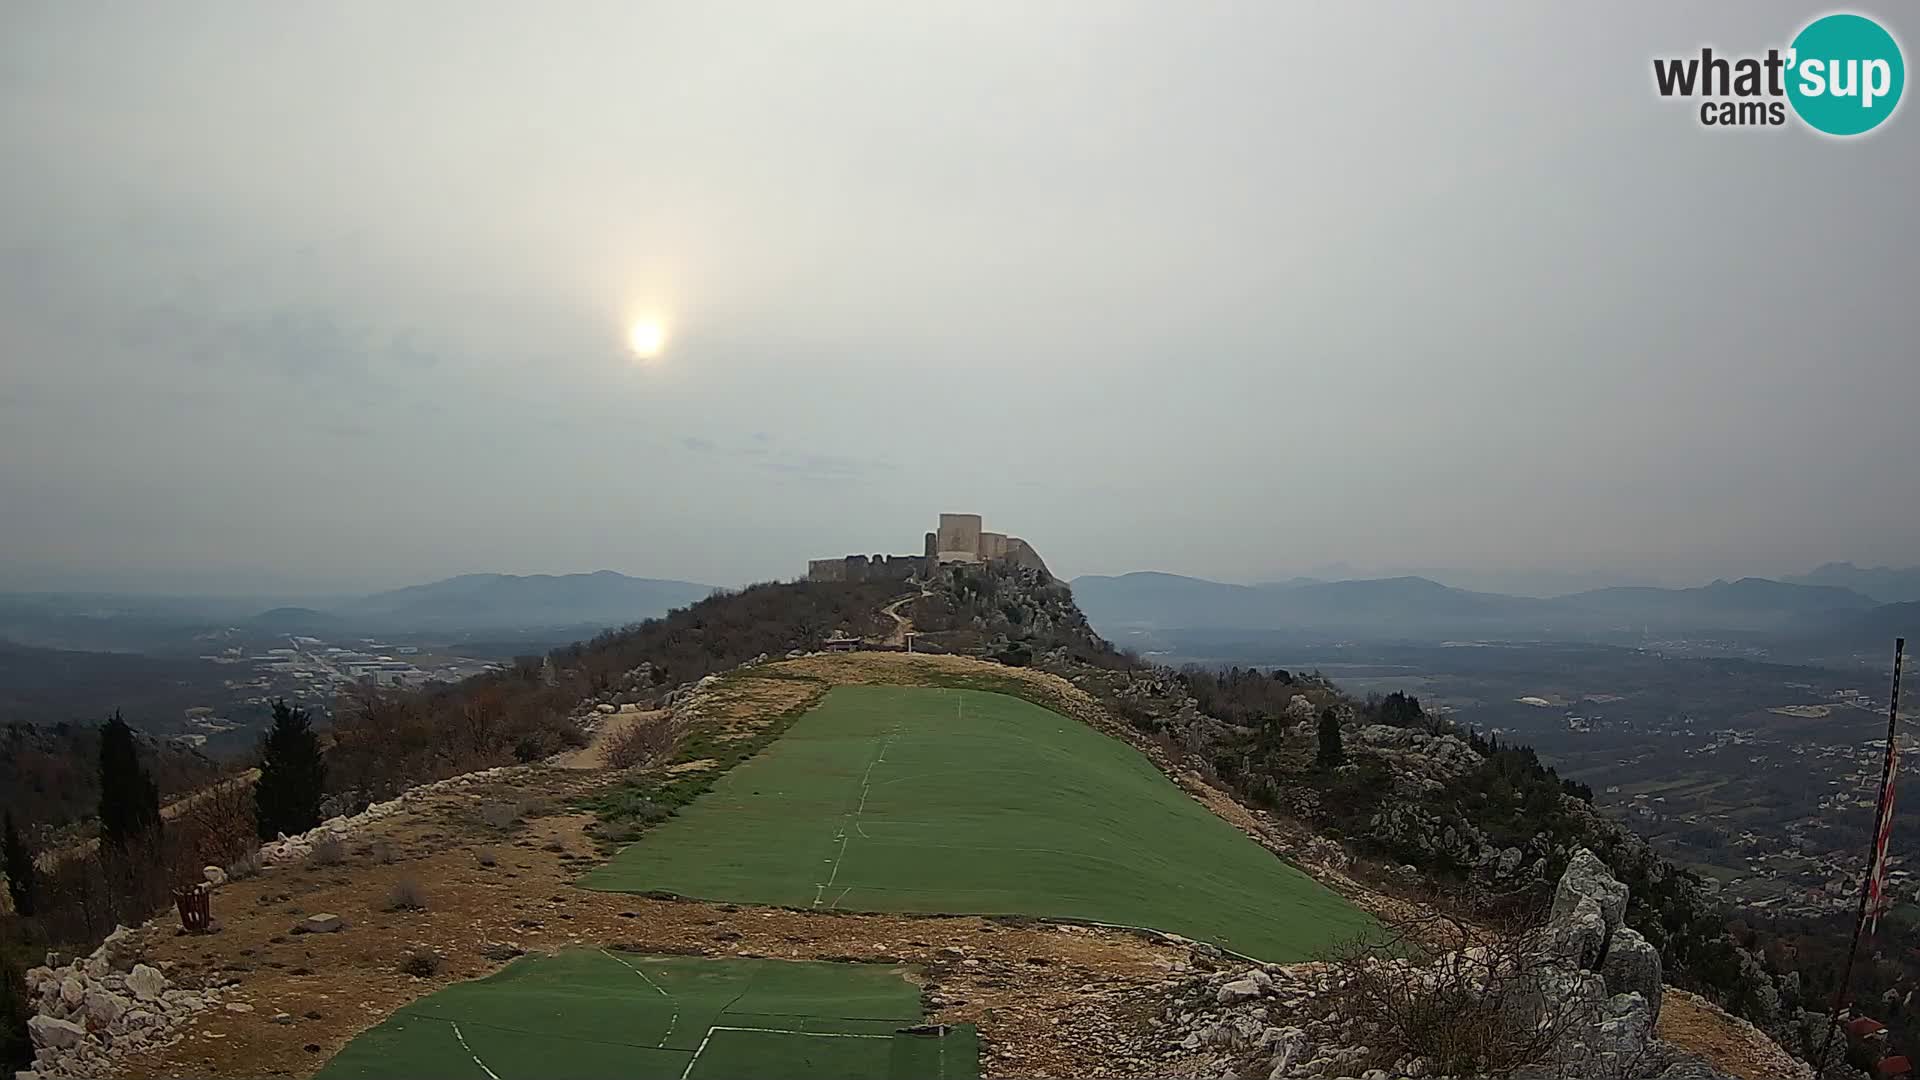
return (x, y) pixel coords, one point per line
(1332, 753)
(293, 775)
(129, 799)
(18, 859)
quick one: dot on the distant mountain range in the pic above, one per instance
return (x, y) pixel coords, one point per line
(1407, 608)
(1887, 584)
(502, 602)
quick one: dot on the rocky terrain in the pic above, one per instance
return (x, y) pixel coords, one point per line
(1583, 978)
(495, 853)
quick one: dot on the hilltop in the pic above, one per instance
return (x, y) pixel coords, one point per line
(555, 764)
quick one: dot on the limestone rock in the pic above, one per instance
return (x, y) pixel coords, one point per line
(1632, 966)
(325, 922)
(214, 875)
(73, 990)
(146, 983)
(120, 950)
(1238, 990)
(103, 1007)
(1587, 876)
(58, 1034)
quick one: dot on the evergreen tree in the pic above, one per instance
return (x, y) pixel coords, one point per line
(1332, 754)
(16, 1039)
(293, 775)
(18, 860)
(129, 799)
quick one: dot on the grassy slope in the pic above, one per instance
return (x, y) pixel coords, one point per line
(589, 1013)
(957, 801)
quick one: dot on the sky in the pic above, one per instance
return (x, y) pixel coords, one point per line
(339, 296)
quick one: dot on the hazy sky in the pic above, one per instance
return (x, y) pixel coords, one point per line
(337, 295)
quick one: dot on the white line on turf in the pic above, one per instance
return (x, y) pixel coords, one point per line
(688, 1071)
(471, 1054)
(866, 788)
(671, 1021)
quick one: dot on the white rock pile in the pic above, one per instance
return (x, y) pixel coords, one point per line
(294, 848)
(91, 1013)
(1587, 977)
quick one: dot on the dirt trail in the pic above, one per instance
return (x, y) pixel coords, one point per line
(902, 626)
(594, 754)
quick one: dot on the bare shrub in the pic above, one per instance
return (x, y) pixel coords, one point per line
(220, 819)
(244, 867)
(642, 742)
(382, 852)
(329, 850)
(421, 963)
(1464, 998)
(406, 895)
(499, 815)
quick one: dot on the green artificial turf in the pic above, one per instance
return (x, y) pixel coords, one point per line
(588, 1013)
(916, 799)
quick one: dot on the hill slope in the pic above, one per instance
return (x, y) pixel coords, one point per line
(490, 601)
(914, 799)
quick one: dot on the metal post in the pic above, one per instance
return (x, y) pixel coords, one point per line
(1873, 854)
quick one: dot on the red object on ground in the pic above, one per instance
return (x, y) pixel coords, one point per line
(196, 907)
(1893, 1068)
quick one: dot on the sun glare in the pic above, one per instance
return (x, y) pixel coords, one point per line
(647, 338)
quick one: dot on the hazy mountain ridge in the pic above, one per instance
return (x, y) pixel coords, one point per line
(511, 600)
(1887, 584)
(1409, 607)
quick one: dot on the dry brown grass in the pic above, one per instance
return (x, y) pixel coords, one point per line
(642, 742)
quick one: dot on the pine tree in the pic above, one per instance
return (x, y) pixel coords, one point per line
(18, 860)
(129, 799)
(1332, 754)
(293, 775)
(16, 1040)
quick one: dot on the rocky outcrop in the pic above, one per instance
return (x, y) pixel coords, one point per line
(92, 1012)
(1587, 980)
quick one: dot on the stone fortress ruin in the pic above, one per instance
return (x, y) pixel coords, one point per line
(959, 539)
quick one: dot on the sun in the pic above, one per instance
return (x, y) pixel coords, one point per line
(647, 338)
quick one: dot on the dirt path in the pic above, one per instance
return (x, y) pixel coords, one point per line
(594, 754)
(902, 626)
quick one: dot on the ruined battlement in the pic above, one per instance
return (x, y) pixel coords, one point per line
(959, 539)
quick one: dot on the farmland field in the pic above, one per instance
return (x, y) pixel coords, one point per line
(593, 1013)
(913, 799)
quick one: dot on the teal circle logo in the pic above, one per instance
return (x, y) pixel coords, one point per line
(1845, 74)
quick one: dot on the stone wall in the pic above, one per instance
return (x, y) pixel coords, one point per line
(865, 568)
(958, 539)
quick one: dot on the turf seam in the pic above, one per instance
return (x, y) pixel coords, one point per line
(675, 1018)
(470, 1053)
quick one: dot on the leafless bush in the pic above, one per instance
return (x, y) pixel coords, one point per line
(1465, 998)
(221, 821)
(642, 742)
(329, 850)
(421, 963)
(406, 895)
(244, 867)
(499, 815)
(382, 852)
